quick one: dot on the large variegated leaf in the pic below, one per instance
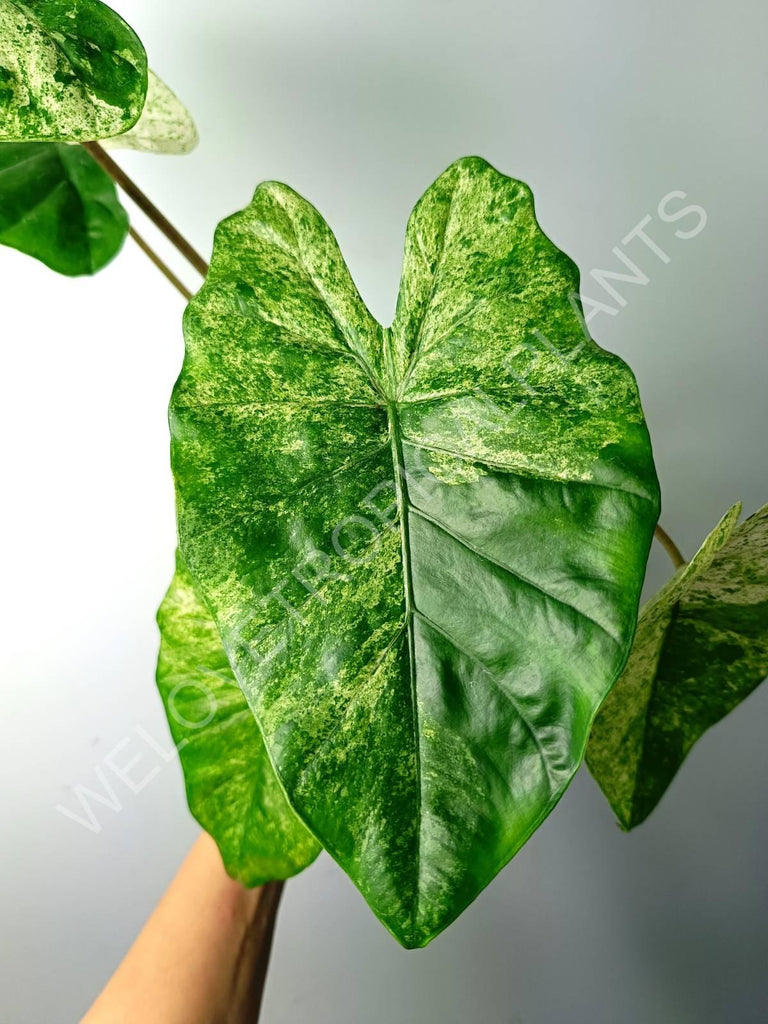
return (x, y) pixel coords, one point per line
(58, 205)
(231, 786)
(424, 544)
(701, 648)
(165, 125)
(69, 69)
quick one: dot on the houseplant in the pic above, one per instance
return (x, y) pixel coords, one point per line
(547, 361)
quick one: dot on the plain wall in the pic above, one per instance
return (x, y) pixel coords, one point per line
(603, 108)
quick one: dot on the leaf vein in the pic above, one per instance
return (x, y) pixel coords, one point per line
(444, 528)
(552, 780)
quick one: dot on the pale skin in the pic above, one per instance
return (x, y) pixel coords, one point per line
(202, 956)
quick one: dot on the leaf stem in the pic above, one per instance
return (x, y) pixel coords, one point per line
(260, 940)
(669, 546)
(169, 274)
(132, 190)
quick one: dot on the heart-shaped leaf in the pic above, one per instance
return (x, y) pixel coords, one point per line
(701, 648)
(423, 545)
(231, 787)
(58, 205)
(165, 125)
(69, 69)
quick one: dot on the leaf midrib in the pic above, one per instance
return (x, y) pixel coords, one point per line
(403, 505)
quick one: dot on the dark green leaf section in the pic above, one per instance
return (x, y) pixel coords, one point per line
(58, 205)
(423, 545)
(701, 648)
(231, 786)
(69, 69)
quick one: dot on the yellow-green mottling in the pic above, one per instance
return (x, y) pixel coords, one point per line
(165, 125)
(701, 647)
(58, 205)
(231, 787)
(423, 545)
(69, 70)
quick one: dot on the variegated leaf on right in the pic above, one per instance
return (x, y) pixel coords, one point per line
(700, 649)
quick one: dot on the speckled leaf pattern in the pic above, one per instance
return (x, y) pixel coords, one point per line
(58, 205)
(165, 125)
(69, 69)
(701, 648)
(231, 787)
(423, 545)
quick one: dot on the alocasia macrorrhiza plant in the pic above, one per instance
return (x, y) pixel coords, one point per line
(385, 527)
(410, 557)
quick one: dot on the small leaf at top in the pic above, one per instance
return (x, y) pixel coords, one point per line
(69, 70)
(423, 545)
(165, 125)
(58, 205)
(701, 648)
(231, 787)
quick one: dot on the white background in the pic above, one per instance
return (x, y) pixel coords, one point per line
(602, 108)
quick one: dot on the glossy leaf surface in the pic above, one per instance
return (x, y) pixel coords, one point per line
(165, 125)
(701, 648)
(231, 787)
(423, 545)
(69, 69)
(58, 205)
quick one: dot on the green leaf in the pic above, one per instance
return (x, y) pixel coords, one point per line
(69, 69)
(58, 205)
(165, 125)
(701, 648)
(423, 545)
(231, 787)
